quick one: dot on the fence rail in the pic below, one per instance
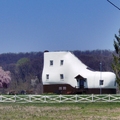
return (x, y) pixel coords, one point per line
(59, 98)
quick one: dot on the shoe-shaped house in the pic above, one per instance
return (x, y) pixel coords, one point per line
(64, 73)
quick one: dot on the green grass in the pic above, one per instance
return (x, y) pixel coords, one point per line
(60, 111)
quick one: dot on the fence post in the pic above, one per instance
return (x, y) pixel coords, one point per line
(60, 98)
(76, 100)
(109, 97)
(45, 98)
(0, 98)
(92, 98)
(29, 98)
(15, 97)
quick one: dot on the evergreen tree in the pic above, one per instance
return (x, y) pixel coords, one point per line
(116, 58)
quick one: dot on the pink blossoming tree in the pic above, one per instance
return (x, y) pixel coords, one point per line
(4, 78)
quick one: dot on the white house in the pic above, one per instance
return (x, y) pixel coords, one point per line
(63, 72)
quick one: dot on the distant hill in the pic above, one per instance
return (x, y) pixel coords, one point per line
(31, 65)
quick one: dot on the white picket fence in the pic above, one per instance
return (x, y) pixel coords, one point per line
(59, 98)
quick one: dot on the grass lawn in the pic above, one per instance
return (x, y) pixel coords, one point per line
(60, 111)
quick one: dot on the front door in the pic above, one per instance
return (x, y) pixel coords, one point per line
(80, 83)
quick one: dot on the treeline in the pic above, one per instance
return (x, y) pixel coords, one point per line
(93, 59)
(27, 67)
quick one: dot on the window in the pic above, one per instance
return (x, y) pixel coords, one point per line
(47, 76)
(61, 76)
(51, 62)
(61, 62)
(64, 88)
(101, 82)
(60, 88)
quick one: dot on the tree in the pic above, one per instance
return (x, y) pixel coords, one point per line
(4, 78)
(23, 67)
(37, 85)
(116, 59)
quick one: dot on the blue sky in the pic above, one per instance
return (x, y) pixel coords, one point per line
(38, 25)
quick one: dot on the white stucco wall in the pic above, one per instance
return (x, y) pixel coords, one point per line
(72, 67)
